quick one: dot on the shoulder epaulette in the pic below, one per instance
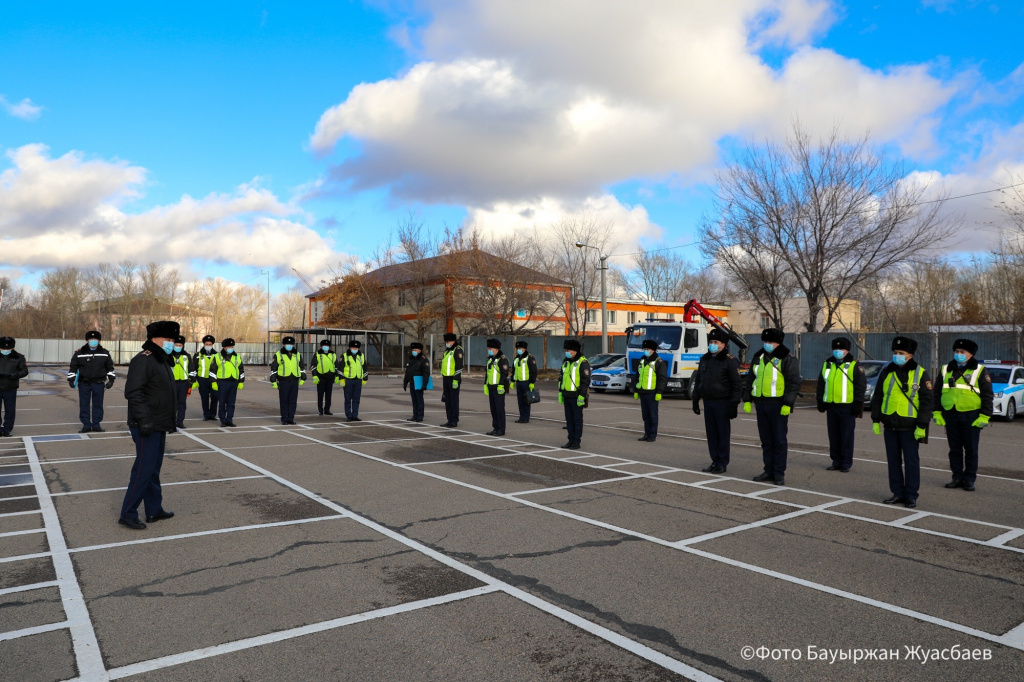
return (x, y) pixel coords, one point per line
(146, 352)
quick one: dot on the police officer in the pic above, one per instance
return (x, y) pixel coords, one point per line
(184, 377)
(840, 395)
(772, 384)
(12, 370)
(228, 373)
(524, 378)
(324, 369)
(717, 381)
(902, 403)
(201, 364)
(417, 371)
(650, 384)
(496, 383)
(963, 398)
(151, 397)
(353, 379)
(287, 373)
(92, 371)
(573, 386)
(451, 376)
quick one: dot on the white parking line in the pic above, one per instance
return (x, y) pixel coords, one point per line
(755, 524)
(39, 629)
(163, 485)
(29, 588)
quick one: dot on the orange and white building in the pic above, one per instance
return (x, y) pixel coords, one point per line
(626, 312)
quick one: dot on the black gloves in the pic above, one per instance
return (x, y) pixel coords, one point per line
(733, 411)
(71, 383)
(696, 407)
(110, 384)
(146, 429)
(405, 386)
(821, 406)
(857, 409)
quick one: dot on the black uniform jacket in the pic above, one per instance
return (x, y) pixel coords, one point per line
(149, 389)
(93, 365)
(416, 366)
(717, 378)
(12, 370)
(925, 391)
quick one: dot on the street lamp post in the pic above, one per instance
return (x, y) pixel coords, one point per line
(604, 294)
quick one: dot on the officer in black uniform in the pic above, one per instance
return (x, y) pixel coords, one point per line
(717, 381)
(840, 393)
(287, 373)
(524, 378)
(184, 377)
(650, 385)
(452, 362)
(201, 364)
(149, 390)
(417, 371)
(92, 372)
(496, 384)
(12, 370)
(772, 384)
(573, 387)
(963, 404)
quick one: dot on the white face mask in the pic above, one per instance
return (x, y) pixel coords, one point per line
(208, 347)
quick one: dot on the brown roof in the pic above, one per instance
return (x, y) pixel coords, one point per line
(456, 266)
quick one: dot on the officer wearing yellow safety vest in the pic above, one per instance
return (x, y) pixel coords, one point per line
(287, 373)
(451, 376)
(201, 364)
(496, 386)
(524, 378)
(902, 403)
(841, 387)
(228, 372)
(650, 384)
(353, 378)
(184, 377)
(772, 384)
(324, 369)
(573, 386)
(963, 401)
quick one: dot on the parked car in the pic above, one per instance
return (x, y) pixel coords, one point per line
(872, 369)
(611, 377)
(1007, 389)
(603, 360)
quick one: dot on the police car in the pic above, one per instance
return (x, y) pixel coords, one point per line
(1007, 389)
(611, 377)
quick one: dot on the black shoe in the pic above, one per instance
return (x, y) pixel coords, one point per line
(909, 504)
(834, 467)
(349, 419)
(844, 471)
(780, 480)
(574, 446)
(209, 419)
(320, 413)
(969, 487)
(651, 439)
(446, 425)
(567, 446)
(565, 428)
(411, 419)
(328, 413)
(134, 524)
(160, 517)
(4, 434)
(895, 499)
(764, 476)
(719, 469)
(223, 424)
(710, 469)
(181, 426)
(97, 429)
(521, 421)
(85, 429)
(642, 438)
(231, 424)
(291, 422)
(174, 430)
(492, 432)
(500, 433)
(418, 420)
(955, 483)
(356, 419)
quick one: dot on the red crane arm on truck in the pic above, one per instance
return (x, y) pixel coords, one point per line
(692, 310)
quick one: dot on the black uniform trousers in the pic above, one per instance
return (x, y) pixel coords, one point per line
(901, 452)
(181, 393)
(841, 427)
(523, 398)
(649, 413)
(450, 396)
(208, 398)
(324, 389)
(288, 397)
(773, 429)
(719, 430)
(417, 403)
(963, 444)
(353, 389)
(228, 389)
(8, 398)
(90, 393)
(144, 483)
(497, 403)
(573, 417)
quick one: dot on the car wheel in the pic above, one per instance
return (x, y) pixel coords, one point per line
(1011, 410)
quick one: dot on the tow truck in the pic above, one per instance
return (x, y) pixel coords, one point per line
(680, 345)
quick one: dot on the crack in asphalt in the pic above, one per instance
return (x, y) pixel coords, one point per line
(607, 494)
(445, 518)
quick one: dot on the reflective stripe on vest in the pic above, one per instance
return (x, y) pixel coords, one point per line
(354, 366)
(571, 378)
(448, 362)
(493, 372)
(203, 363)
(768, 384)
(228, 369)
(895, 402)
(325, 363)
(181, 368)
(522, 368)
(964, 395)
(833, 375)
(648, 375)
(287, 366)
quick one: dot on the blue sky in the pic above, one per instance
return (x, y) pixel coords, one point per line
(461, 118)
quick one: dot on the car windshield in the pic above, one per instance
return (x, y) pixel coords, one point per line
(871, 369)
(666, 337)
(1000, 375)
(602, 359)
(617, 363)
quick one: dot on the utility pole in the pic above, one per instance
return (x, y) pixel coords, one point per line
(266, 349)
(604, 294)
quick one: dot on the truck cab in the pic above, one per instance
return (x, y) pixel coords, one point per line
(680, 345)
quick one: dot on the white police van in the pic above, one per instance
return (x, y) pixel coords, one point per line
(1007, 389)
(680, 345)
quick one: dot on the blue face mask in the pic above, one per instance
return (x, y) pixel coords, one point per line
(288, 347)
(5, 352)
(648, 352)
(839, 354)
(713, 348)
(178, 349)
(490, 351)
(209, 349)
(415, 353)
(899, 359)
(519, 351)
(168, 347)
(326, 349)
(229, 351)
(353, 351)
(568, 354)
(93, 343)
(960, 358)
(769, 348)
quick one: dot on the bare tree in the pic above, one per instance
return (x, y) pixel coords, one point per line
(61, 300)
(579, 266)
(912, 297)
(289, 309)
(831, 215)
(665, 275)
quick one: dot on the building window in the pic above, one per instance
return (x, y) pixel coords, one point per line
(765, 321)
(611, 317)
(401, 299)
(631, 318)
(591, 316)
(671, 317)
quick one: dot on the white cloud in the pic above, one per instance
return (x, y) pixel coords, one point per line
(70, 211)
(516, 100)
(23, 109)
